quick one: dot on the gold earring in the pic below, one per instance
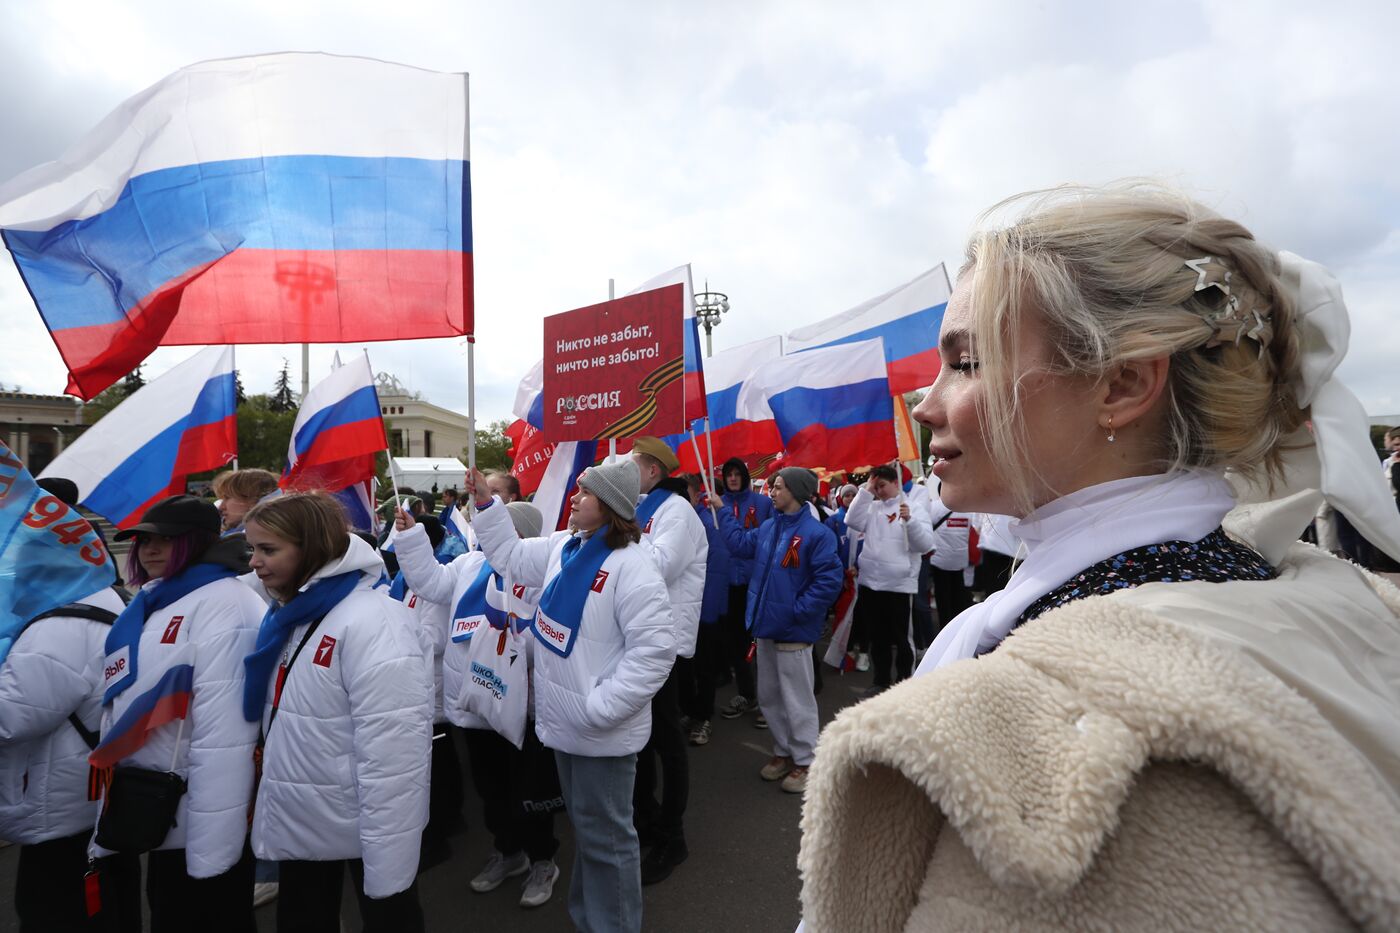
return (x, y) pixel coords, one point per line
(1111, 436)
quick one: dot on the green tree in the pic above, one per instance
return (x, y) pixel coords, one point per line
(133, 380)
(282, 398)
(239, 396)
(109, 398)
(492, 447)
(263, 434)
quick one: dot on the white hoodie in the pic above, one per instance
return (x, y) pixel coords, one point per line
(53, 670)
(345, 766)
(889, 557)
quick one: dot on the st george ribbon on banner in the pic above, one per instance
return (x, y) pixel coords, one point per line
(338, 432)
(906, 318)
(180, 423)
(832, 406)
(286, 198)
(49, 554)
(693, 400)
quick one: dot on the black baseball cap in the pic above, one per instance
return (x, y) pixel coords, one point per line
(175, 516)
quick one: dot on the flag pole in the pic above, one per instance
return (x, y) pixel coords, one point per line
(233, 358)
(612, 441)
(710, 479)
(471, 418)
(305, 369)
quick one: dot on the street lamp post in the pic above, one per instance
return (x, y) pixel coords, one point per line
(709, 308)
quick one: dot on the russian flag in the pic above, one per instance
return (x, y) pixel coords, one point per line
(832, 406)
(731, 436)
(529, 397)
(358, 502)
(287, 198)
(907, 318)
(560, 481)
(338, 432)
(167, 700)
(181, 423)
(693, 400)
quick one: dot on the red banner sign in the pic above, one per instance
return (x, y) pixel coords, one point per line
(614, 369)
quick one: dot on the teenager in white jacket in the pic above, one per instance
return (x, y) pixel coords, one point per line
(896, 531)
(184, 636)
(523, 842)
(339, 687)
(607, 643)
(672, 532)
(50, 687)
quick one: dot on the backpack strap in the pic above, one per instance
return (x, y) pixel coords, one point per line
(92, 614)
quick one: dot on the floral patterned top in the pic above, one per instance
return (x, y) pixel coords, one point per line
(1216, 558)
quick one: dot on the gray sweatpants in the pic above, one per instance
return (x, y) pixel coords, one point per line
(785, 697)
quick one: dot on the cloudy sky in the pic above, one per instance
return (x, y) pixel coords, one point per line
(803, 156)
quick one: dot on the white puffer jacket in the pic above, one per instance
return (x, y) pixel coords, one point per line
(597, 701)
(430, 625)
(446, 583)
(54, 669)
(889, 556)
(677, 543)
(214, 749)
(950, 537)
(345, 765)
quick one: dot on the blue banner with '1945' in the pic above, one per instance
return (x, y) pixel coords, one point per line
(49, 554)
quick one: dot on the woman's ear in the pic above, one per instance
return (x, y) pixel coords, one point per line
(1131, 390)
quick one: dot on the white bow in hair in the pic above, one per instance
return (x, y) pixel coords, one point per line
(1338, 458)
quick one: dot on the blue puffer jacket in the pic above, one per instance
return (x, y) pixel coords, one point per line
(751, 510)
(716, 595)
(789, 595)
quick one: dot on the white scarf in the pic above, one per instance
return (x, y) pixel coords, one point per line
(1076, 531)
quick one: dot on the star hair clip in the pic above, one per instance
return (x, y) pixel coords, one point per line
(1242, 312)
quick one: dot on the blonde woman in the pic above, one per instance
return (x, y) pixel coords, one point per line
(1174, 716)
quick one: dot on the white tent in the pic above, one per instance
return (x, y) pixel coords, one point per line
(423, 473)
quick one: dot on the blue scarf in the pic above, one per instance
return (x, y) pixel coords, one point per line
(398, 589)
(277, 626)
(125, 635)
(561, 605)
(473, 607)
(653, 501)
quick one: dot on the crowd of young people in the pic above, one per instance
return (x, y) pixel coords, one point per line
(271, 689)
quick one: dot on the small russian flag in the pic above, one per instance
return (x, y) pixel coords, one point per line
(165, 702)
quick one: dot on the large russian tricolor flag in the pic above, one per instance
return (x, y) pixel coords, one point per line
(338, 432)
(730, 435)
(832, 406)
(693, 400)
(907, 318)
(287, 198)
(181, 423)
(163, 700)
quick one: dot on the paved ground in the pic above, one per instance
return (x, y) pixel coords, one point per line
(742, 834)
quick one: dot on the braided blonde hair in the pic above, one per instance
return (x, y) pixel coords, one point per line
(1105, 270)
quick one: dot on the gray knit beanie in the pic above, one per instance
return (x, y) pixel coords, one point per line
(528, 520)
(801, 483)
(617, 484)
(848, 490)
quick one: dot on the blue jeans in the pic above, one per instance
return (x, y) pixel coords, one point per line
(605, 891)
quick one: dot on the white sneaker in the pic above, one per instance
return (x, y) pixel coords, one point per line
(539, 887)
(499, 868)
(862, 662)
